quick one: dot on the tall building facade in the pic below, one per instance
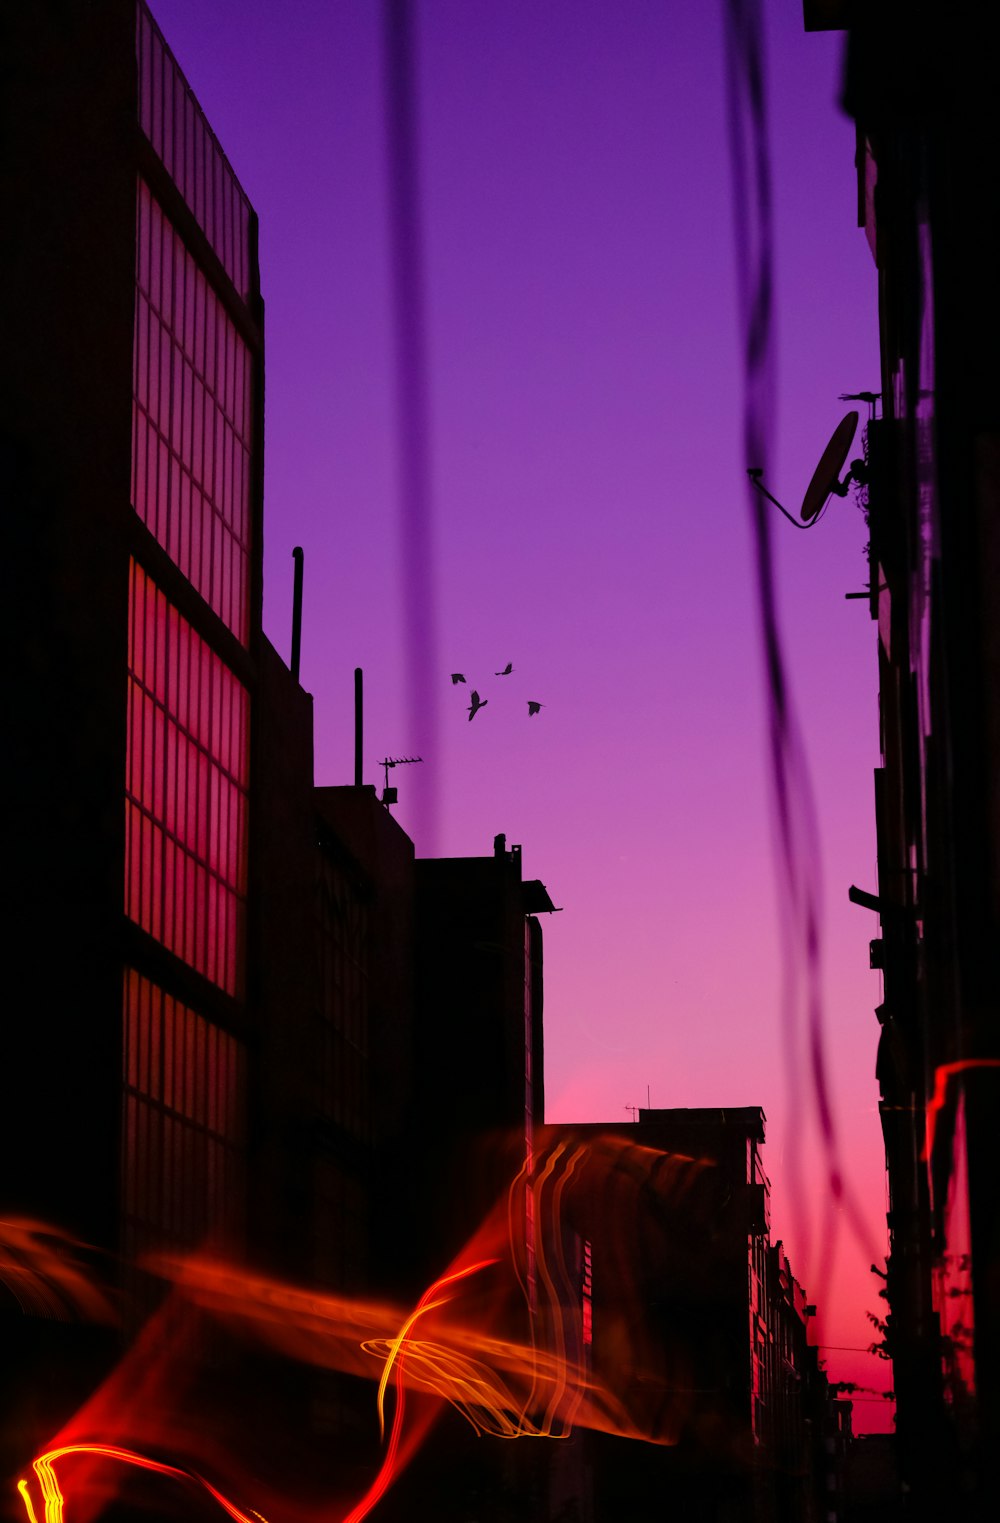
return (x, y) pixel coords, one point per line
(920, 84)
(195, 490)
(131, 457)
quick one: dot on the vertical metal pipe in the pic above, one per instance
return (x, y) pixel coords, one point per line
(298, 558)
(359, 722)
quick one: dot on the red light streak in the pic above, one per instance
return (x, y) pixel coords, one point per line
(395, 1356)
(943, 1076)
(534, 1183)
(425, 1304)
(506, 1350)
(41, 1268)
(52, 1496)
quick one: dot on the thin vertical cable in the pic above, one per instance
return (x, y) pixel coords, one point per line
(412, 410)
(798, 860)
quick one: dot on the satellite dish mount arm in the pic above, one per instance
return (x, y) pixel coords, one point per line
(826, 482)
(755, 473)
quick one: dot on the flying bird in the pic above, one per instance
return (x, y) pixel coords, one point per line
(456, 677)
(506, 671)
(533, 707)
(476, 704)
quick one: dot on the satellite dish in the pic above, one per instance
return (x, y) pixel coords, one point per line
(826, 477)
(826, 480)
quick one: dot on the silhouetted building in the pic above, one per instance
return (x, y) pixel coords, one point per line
(479, 1053)
(803, 1429)
(871, 1484)
(680, 1287)
(366, 1013)
(210, 983)
(921, 85)
(131, 427)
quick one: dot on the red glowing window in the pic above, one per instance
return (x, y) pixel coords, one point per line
(183, 1124)
(174, 124)
(192, 419)
(588, 1295)
(187, 773)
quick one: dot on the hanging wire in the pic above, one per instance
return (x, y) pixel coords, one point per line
(415, 521)
(797, 839)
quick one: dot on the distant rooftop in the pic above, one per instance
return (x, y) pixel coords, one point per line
(750, 1117)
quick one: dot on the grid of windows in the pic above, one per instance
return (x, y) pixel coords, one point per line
(191, 419)
(187, 772)
(343, 1025)
(189, 150)
(183, 1125)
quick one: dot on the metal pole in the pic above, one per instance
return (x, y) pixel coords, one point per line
(359, 725)
(298, 558)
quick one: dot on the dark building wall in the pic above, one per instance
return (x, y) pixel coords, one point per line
(283, 966)
(478, 963)
(129, 696)
(664, 1206)
(67, 97)
(533, 1001)
(383, 851)
(377, 857)
(699, 1326)
(471, 956)
(871, 1484)
(921, 86)
(477, 950)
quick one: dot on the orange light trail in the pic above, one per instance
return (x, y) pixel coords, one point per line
(424, 1305)
(44, 1272)
(943, 1076)
(559, 1364)
(343, 1334)
(44, 1468)
(507, 1352)
(503, 1384)
(388, 1467)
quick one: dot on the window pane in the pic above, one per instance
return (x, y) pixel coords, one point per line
(186, 789)
(176, 1145)
(192, 375)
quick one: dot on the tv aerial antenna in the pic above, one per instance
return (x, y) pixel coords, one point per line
(391, 794)
(825, 482)
(873, 398)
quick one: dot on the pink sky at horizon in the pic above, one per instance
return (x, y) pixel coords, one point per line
(590, 517)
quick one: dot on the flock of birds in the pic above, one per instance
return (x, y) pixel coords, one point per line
(480, 703)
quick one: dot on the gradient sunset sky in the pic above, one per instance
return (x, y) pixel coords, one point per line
(590, 519)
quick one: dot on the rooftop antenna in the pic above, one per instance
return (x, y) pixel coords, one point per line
(871, 397)
(635, 1111)
(826, 482)
(391, 795)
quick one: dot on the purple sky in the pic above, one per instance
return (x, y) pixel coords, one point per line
(589, 510)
